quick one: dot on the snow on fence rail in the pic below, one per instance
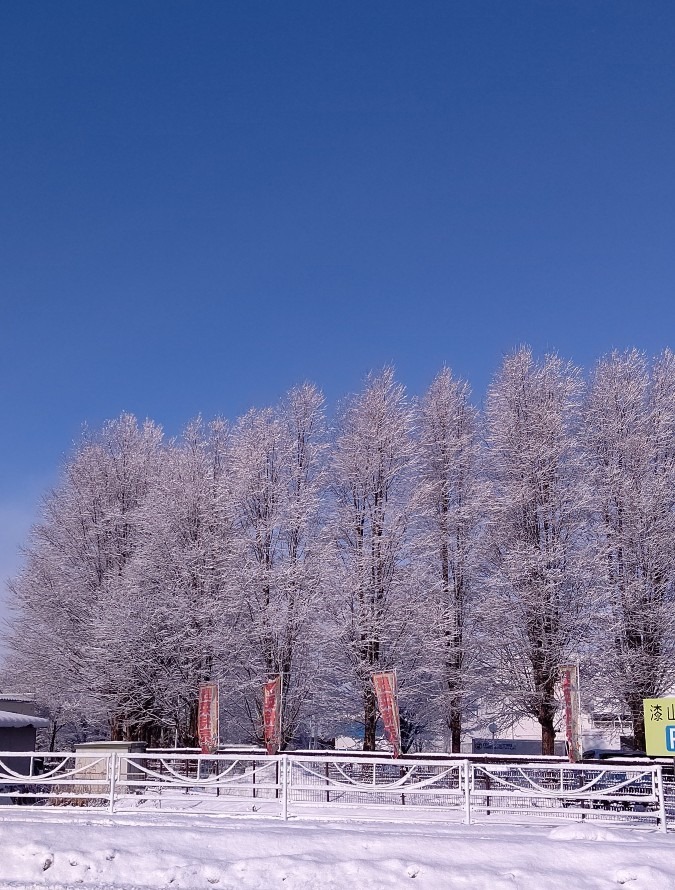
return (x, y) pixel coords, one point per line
(361, 787)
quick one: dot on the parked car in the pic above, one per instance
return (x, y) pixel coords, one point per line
(610, 754)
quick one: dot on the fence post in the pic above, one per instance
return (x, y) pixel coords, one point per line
(284, 786)
(663, 825)
(467, 792)
(113, 767)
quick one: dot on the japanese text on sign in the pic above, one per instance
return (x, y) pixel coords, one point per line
(272, 714)
(659, 714)
(207, 718)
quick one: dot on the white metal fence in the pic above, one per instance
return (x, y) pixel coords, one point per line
(332, 785)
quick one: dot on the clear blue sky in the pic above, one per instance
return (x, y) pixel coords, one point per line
(203, 203)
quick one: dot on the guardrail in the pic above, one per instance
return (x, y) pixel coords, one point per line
(284, 785)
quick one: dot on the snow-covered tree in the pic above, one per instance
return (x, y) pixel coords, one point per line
(474, 560)
(535, 531)
(630, 437)
(276, 480)
(448, 502)
(180, 606)
(369, 588)
(69, 597)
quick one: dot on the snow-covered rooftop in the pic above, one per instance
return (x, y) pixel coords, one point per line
(10, 720)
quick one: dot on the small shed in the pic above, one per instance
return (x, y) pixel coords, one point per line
(18, 725)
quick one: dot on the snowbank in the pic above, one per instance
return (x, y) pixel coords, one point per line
(55, 850)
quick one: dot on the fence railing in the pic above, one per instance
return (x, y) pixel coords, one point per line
(611, 793)
(286, 785)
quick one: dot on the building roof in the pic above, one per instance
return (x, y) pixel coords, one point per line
(10, 720)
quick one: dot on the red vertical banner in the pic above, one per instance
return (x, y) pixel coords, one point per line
(570, 689)
(386, 690)
(207, 718)
(272, 714)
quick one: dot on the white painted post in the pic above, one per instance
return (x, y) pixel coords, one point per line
(663, 826)
(113, 767)
(284, 786)
(467, 792)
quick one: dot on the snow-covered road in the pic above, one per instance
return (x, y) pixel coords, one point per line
(53, 850)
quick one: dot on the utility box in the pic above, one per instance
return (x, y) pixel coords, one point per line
(93, 761)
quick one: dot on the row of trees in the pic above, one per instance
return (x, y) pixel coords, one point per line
(474, 552)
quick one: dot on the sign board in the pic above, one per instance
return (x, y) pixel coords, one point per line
(660, 726)
(272, 714)
(570, 688)
(386, 691)
(207, 718)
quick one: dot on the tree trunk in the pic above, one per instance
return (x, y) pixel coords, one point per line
(639, 738)
(547, 735)
(455, 724)
(370, 719)
(52, 738)
(191, 738)
(546, 715)
(116, 728)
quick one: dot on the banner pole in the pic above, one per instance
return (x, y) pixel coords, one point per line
(663, 825)
(284, 786)
(281, 709)
(467, 792)
(113, 768)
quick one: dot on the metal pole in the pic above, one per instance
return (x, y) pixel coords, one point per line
(218, 716)
(281, 708)
(663, 825)
(284, 786)
(113, 767)
(580, 732)
(467, 793)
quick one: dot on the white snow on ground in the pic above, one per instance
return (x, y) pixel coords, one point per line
(59, 850)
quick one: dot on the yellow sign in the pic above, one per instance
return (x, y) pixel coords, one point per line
(660, 726)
